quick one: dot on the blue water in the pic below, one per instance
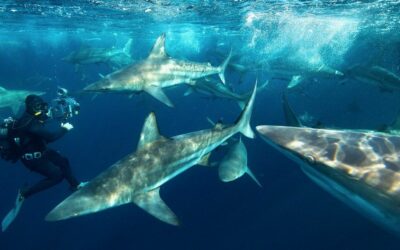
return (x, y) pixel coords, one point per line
(290, 211)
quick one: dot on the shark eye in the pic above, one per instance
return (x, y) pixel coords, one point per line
(309, 158)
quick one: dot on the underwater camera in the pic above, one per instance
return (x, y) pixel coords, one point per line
(64, 106)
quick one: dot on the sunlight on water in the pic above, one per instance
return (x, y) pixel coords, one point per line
(309, 39)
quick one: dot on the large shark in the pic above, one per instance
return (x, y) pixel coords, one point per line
(13, 99)
(113, 56)
(155, 72)
(361, 168)
(375, 75)
(137, 178)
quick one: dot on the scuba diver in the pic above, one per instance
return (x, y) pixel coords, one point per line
(28, 139)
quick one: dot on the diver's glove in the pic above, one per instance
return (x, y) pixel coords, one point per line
(68, 126)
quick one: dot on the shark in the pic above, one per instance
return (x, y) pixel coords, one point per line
(215, 88)
(137, 177)
(89, 55)
(361, 168)
(375, 75)
(156, 72)
(14, 99)
(298, 72)
(234, 164)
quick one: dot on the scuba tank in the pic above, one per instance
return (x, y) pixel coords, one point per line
(9, 146)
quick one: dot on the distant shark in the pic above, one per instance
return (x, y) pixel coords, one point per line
(234, 164)
(154, 73)
(297, 72)
(14, 99)
(137, 177)
(375, 75)
(290, 69)
(215, 88)
(111, 56)
(361, 168)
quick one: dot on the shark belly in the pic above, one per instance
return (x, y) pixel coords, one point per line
(358, 202)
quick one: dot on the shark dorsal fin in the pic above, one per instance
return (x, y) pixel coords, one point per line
(150, 131)
(158, 50)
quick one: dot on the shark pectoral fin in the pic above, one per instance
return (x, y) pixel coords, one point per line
(241, 104)
(248, 171)
(159, 94)
(204, 160)
(296, 80)
(94, 96)
(150, 132)
(152, 203)
(189, 91)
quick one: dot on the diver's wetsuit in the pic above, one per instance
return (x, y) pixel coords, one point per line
(34, 135)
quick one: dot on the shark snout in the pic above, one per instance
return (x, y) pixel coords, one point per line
(73, 206)
(279, 135)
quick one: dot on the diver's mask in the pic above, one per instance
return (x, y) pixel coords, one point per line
(41, 110)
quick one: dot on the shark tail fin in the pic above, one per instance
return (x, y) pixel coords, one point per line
(243, 122)
(127, 48)
(221, 74)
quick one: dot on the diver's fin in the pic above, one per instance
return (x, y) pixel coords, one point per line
(150, 132)
(159, 94)
(12, 214)
(152, 203)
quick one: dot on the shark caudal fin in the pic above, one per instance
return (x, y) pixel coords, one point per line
(127, 48)
(243, 122)
(221, 74)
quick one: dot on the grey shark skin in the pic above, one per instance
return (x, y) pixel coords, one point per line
(113, 56)
(13, 99)
(360, 168)
(234, 164)
(374, 75)
(137, 177)
(217, 89)
(154, 73)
